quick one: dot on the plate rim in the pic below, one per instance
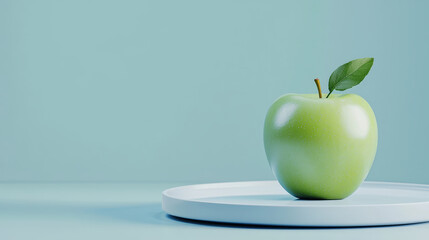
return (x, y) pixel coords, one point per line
(312, 215)
(167, 194)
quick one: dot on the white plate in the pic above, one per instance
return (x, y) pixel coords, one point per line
(267, 203)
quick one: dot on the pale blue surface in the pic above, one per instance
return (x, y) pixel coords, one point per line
(133, 211)
(178, 90)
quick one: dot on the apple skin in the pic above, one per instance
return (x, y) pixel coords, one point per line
(320, 148)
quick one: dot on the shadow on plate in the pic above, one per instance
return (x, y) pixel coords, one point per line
(153, 214)
(254, 226)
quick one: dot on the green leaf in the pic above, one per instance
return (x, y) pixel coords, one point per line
(350, 74)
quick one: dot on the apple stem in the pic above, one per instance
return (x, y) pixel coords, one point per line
(318, 87)
(329, 93)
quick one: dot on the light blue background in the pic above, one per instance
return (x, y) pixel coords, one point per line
(178, 90)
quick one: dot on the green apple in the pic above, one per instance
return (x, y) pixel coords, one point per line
(320, 148)
(323, 146)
